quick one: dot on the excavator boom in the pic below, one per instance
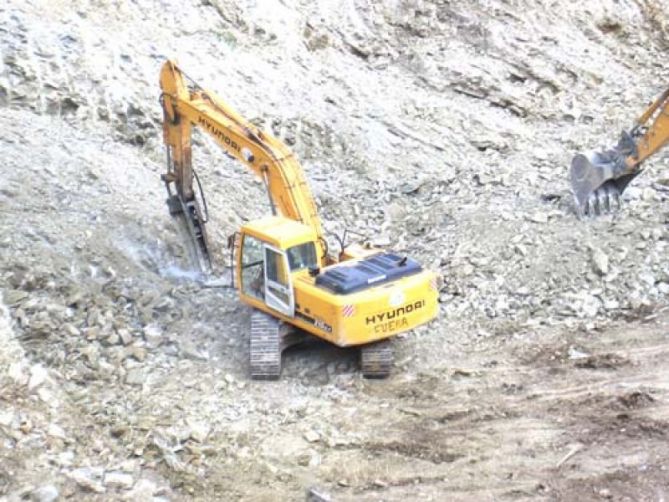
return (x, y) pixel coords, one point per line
(599, 179)
(265, 155)
(361, 298)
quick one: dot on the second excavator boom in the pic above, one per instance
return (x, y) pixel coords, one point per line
(599, 179)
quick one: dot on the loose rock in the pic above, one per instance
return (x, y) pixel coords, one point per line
(45, 493)
(600, 261)
(119, 479)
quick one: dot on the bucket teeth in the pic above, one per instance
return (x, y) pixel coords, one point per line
(614, 198)
(604, 200)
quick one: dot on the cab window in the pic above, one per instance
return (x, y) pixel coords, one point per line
(276, 270)
(302, 256)
(252, 267)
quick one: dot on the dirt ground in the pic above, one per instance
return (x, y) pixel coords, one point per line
(440, 130)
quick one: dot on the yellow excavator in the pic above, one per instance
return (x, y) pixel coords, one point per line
(599, 179)
(361, 297)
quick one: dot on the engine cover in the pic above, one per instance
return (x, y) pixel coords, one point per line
(378, 269)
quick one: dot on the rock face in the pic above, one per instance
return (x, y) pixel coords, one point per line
(442, 130)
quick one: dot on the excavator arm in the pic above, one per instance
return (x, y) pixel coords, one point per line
(266, 156)
(598, 180)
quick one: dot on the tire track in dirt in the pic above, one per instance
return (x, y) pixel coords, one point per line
(531, 431)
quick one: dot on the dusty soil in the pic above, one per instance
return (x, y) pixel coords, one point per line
(439, 130)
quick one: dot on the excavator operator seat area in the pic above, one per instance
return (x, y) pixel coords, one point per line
(264, 273)
(278, 286)
(302, 256)
(252, 273)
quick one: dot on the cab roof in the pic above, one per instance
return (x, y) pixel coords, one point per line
(281, 232)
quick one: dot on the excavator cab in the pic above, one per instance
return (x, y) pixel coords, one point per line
(361, 301)
(270, 251)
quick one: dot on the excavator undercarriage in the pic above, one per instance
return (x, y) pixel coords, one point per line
(270, 337)
(376, 359)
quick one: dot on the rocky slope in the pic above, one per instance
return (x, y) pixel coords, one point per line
(438, 129)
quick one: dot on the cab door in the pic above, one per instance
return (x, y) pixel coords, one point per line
(278, 286)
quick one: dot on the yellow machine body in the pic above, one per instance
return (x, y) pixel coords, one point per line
(357, 318)
(282, 265)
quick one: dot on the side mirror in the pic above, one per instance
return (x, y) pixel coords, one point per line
(314, 271)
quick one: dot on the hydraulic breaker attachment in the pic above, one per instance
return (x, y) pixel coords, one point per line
(194, 219)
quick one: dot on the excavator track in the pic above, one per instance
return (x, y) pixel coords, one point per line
(376, 359)
(265, 356)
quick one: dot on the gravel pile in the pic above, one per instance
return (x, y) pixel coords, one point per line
(441, 131)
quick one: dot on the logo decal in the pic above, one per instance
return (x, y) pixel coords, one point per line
(392, 314)
(396, 298)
